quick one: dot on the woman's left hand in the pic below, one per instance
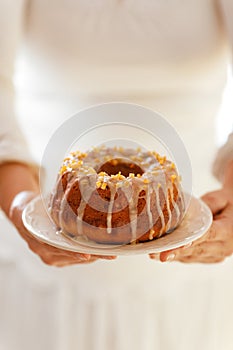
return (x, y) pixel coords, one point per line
(48, 254)
(217, 243)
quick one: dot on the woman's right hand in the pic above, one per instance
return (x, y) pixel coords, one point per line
(48, 254)
(19, 185)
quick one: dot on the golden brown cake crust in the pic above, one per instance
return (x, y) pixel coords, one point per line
(117, 196)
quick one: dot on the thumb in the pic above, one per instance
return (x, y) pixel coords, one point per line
(17, 206)
(228, 181)
(215, 200)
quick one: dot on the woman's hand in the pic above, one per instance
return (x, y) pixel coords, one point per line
(48, 254)
(217, 243)
(18, 185)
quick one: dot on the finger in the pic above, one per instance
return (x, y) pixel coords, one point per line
(64, 262)
(169, 255)
(194, 252)
(50, 252)
(226, 213)
(105, 257)
(18, 204)
(221, 229)
(227, 182)
(216, 201)
(46, 249)
(220, 232)
(66, 253)
(64, 259)
(86, 257)
(154, 256)
(202, 260)
(208, 252)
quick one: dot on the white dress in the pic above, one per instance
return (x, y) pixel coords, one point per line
(168, 55)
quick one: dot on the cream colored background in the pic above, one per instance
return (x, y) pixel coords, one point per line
(130, 303)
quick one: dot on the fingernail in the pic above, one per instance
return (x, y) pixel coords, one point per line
(170, 257)
(153, 256)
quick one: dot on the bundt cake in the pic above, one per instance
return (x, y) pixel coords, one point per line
(117, 196)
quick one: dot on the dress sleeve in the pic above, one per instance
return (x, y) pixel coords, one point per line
(13, 146)
(225, 153)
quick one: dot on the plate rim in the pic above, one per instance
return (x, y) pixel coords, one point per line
(123, 250)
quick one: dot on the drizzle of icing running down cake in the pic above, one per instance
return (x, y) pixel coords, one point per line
(117, 196)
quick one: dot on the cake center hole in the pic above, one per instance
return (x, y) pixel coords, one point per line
(113, 166)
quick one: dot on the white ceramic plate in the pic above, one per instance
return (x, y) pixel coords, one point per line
(195, 223)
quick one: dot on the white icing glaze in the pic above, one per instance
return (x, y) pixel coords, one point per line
(168, 225)
(62, 206)
(64, 202)
(80, 213)
(132, 196)
(159, 209)
(148, 205)
(113, 191)
(175, 205)
(87, 186)
(154, 171)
